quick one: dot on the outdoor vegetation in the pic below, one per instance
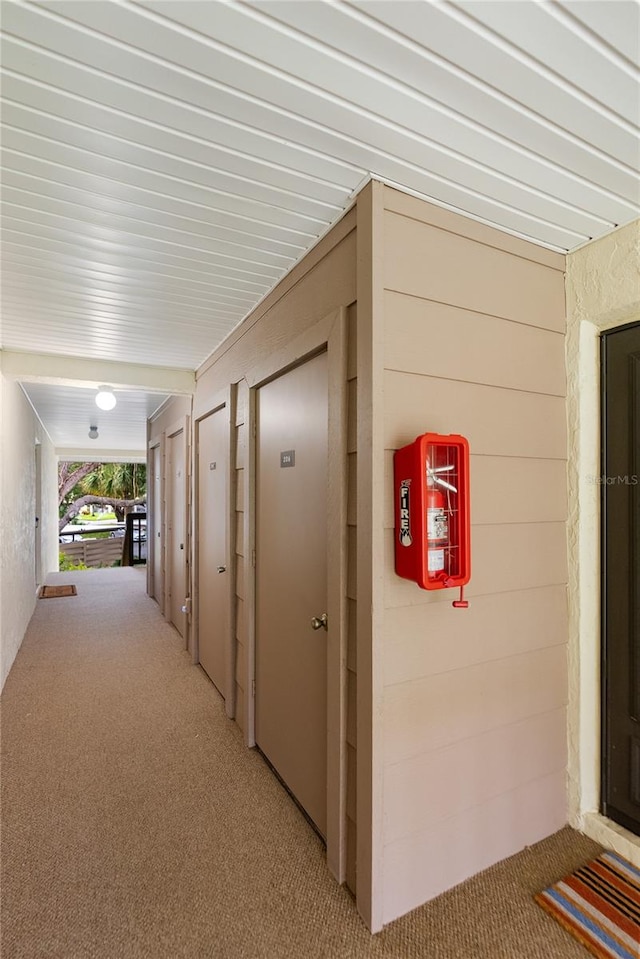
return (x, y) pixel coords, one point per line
(67, 563)
(84, 485)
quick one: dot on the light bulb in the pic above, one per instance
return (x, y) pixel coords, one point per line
(105, 398)
(93, 432)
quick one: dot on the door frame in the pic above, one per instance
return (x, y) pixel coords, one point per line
(584, 593)
(183, 423)
(604, 576)
(156, 448)
(223, 400)
(38, 514)
(328, 334)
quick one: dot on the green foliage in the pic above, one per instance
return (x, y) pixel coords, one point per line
(120, 483)
(118, 480)
(67, 563)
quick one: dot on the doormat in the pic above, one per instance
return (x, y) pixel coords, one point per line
(51, 592)
(600, 906)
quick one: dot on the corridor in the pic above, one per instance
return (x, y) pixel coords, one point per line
(135, 823)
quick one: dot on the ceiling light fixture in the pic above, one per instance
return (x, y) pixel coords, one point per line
(105, 398)
(93, 432)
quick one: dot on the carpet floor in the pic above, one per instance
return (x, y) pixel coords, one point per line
(136, 825)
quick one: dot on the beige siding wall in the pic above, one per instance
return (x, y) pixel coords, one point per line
(171, 413)
(319, 285)
(474, 704)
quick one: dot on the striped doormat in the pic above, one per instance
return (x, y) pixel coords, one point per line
(599, 905)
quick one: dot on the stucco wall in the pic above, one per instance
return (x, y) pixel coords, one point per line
(20, 431)
(603, 291)
(473, 729)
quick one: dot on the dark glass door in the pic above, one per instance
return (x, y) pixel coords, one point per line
(621, 575)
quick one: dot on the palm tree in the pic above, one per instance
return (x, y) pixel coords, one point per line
(117, 481)
(120, 485)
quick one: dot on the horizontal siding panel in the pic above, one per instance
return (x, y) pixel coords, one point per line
(492, 628)
(436, 711)
(434, 264)
(434, 339)
(517, 490)
(321, 283)
(404, 204)
(503, 558)
(428, 789)
(418, 868)
(496, 421)
(504, 489)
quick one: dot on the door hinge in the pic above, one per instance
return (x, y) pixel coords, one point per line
(253, 688)
(253, 558)
(254, 428)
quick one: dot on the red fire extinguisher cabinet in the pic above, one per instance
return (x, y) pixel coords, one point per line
(432, 516)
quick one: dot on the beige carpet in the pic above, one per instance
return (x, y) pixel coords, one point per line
(136, 824)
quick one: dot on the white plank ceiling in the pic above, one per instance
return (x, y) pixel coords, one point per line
(70, 411)
(165, 163)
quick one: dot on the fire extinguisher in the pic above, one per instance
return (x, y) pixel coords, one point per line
(437, 533)
(438, 513)
(432, 542)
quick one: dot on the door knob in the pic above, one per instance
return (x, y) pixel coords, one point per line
(222, 569)
(319, 622)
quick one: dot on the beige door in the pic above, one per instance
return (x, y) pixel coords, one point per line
(213, 581)
(176, 529)
(156, 523)
(291, 581)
